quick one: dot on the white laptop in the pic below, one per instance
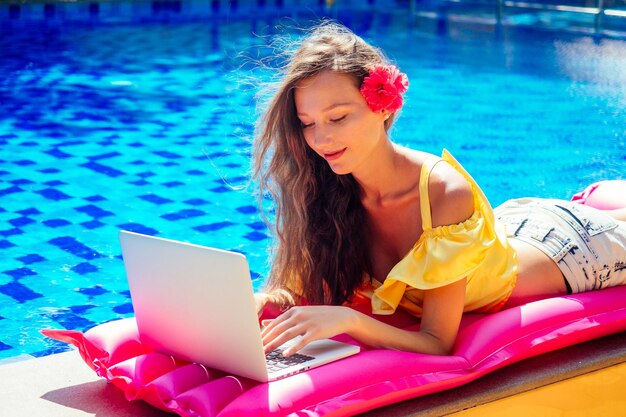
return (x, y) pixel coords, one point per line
(196, 303)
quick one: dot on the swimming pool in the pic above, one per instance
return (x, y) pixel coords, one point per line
(146, 127)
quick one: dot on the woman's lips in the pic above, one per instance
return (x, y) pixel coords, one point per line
(331, 156)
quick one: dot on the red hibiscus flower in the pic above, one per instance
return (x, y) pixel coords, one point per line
(383, 88)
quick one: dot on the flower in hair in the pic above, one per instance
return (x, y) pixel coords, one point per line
(383, 88)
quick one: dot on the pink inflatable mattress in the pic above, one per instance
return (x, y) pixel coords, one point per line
(370, 379)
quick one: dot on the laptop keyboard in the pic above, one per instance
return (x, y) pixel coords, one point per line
(276, 361)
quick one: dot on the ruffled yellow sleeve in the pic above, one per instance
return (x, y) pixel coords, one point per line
(447, 254)
(441, 256)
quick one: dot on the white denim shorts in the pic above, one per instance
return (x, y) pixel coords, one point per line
(588, 246)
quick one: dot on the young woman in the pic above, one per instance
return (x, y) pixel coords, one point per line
(357, 215)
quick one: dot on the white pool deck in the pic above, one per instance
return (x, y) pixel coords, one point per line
(62, 385)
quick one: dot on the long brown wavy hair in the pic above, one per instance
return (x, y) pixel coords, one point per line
(321, 252)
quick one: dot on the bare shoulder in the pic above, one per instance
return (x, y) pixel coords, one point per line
(451, 197)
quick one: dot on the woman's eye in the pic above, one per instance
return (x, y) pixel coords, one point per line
(305, 125)
(339, 119)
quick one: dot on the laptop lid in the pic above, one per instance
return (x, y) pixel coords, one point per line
(195, 303)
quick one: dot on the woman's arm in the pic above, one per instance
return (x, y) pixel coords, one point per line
(443, 308)
(452, 202)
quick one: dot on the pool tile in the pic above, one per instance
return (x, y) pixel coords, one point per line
(84, 268)
(24, 163)
(81, 309)
(103, 169)
(124, 309)
(236, 179)
(196, 202)
(94, 198)
(20, 273)
(59, 154)
(170, 184)
(58, 347)
(29, 211)
(93, 224)
(5, 244)
(21, 221)
(11, 232)
(21, 181)
(167, 154)
(213, 226)
(53, 194)
(152, 198)
(10, 190)
(247, 209)
(196, 172)
(183, 214)
(76, 248)
(256, 236)
(54, 183)
(139, 183)
(69, 320)
(257, 225)
(104, 156)
(31, 259)
(54, 223)
(221, 189)
(93, 291)
(218, 154)
(94, 211)
(19, 292)
(138, 228)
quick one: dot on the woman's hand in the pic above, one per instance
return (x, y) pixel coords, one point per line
(310, 322)
(261, 299)
(442, 311)
(270, 305)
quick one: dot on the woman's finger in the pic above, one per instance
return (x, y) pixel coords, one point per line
(270, 324)
(301, 343)
(265, 324)
(274, 329)
(273, 341)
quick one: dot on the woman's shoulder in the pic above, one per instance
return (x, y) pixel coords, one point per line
(451, 195)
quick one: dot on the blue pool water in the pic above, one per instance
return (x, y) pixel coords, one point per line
(147, 127)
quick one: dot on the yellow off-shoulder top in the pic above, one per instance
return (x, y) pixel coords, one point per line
(476, 248)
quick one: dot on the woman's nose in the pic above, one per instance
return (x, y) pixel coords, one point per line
(322, 136)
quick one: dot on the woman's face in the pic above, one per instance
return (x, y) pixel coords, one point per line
(336, 121)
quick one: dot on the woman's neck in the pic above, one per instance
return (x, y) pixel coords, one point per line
(382, 178)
